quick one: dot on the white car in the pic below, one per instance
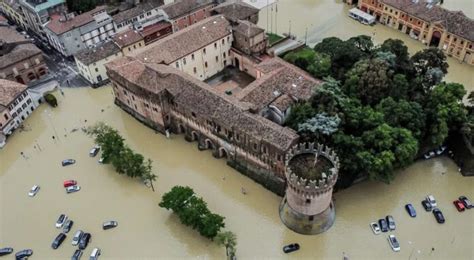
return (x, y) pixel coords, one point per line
(101, 160)
(95, 254)
(94, 151)
(375, 228)
(432, 201)
(393, 241)
(61, 220)
(72, 189)
(77, 236)
(34, 190)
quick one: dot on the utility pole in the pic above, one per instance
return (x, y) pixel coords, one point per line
(289, 30)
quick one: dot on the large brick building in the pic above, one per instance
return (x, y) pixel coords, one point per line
(20, 59)
(183, 13)
(162, 90)
(451, 31)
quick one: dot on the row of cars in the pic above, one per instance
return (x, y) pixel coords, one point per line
(70, 186)
(429, 204)
(80, 239)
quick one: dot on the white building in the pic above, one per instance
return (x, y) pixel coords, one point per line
(90, 62)
(16, 105)
(139, 16)
(69, 34)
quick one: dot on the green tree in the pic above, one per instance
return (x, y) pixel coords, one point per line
(81, 6)
(444, 111)
(110, 141)
(320, 66)
(176, 199)
(51, 100)
(211, 225)
(397, 47)
(300, 112)
(147, 175)
(301, 58)
(228, 240)
(427, 59)
(409, 115)
(363, 43)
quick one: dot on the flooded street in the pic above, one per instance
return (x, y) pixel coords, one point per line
(326, 18)
(147, 231)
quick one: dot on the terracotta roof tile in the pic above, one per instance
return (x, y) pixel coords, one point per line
(455, 22)
(235, 10)
(59, 27)
(182, 7)
(126, 38)
(89, 56)
(136, 11)
(186, 41)
(15, 47)
(248, 29)
(280, 78)
(9, 90)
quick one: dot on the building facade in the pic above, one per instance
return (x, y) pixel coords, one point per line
(69, 34)
(20, 59)
(156, 31)
(158, 88)
(15, 106)
(38, 12)
(451, 31)
(183, 13)
(129, 41)
(13, 10)
(139, 16)
(90, 62)
(201, 50)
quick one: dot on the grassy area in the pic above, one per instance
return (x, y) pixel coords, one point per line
(272, 38)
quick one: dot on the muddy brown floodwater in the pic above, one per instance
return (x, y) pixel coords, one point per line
(147, 231)
(326, 18)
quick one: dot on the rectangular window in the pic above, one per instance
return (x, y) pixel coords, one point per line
(192, 56)
(223, 41)
(215, 45)
(223, 54)
(195, 70)
(204, 50)
(217, 58)
(205, 64)
(177, 65)
(184, 61)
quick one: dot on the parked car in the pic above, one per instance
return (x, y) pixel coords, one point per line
(109, 224)
(459, 205)
(375, 228)
(6, 251)
(72, 189)
(440, 150)
(94, 151)
(431, 199)
(390, 222)
(58, 240)
(101, 160)
(77, 255)
(467, 203)
(429, 155)
(34, 190)
(24, 254)
(77, 236)
(411, 210)
(393, 241)
(291, 248)
(438, 215)
(84, 241)
(67, 226)
(69, 183)
(383, 225)
(61, 220)
(426, 205)
(68, 162)
(95, 254)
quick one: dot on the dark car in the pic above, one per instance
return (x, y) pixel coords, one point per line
(426, 205)
(77, 255)
(411, 210)
(390, 222)
(23, 254)
(467, 203)
(58, 240)
(68, 162)
(67, 226)
(438, 215)
(383, 225)
(84, 241)
(291, 248)
(109, 225)
(6, 251)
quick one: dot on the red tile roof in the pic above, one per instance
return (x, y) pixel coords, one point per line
(126, 38)
(59, 27)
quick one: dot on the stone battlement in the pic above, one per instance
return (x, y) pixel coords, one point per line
(312, 188)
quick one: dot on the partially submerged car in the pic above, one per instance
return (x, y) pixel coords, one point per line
(68, 162)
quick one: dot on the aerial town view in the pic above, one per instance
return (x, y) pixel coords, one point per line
(236, 129)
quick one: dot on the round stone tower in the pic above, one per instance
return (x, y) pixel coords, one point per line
(311, 172)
